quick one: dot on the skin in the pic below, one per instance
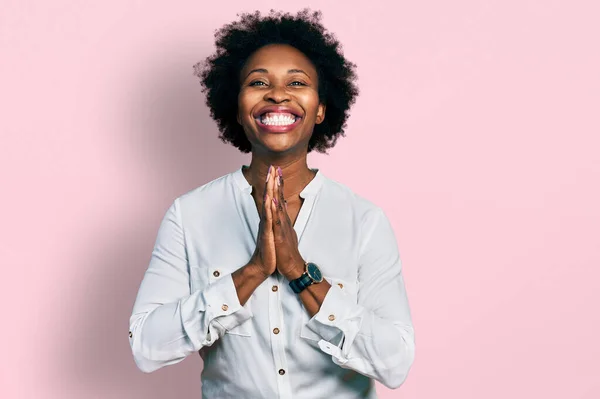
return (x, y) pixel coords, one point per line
(278, 171)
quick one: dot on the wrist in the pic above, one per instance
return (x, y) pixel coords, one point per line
(296, 271)
(311, 275)
(254, 271)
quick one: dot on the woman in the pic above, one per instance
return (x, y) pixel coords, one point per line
(286, 282)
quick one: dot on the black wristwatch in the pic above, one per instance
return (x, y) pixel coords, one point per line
(312, 274)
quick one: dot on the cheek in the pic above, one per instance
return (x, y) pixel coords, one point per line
(311, 102)
(246, 103)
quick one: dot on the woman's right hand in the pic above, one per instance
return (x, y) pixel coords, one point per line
(264, 258)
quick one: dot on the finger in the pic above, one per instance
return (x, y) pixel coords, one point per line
(265, 197)
(276, 217)
(281, 181)
(277, 232)
(276, 202)
(277, 193)
(271, 186)
(275, 208)
(268, 225)
(281, 200)
(269, 189)
(281, 221)
(265, 191)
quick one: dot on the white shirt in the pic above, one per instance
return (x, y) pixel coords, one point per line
(270, 347)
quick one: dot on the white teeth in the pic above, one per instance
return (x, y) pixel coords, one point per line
(278, 120)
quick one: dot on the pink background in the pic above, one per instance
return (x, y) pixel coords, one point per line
(477, 130)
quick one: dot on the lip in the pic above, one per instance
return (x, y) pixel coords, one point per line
(277, 129)
(277, 108)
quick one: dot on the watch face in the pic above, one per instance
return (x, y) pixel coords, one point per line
(314, 272)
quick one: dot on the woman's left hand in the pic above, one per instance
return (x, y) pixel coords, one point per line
(289, 261)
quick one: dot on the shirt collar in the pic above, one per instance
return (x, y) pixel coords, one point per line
(310, 190)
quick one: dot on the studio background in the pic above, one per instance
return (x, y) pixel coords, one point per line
(476, 130)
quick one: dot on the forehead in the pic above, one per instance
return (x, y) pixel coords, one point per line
(279, 57)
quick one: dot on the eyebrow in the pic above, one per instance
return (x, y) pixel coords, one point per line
(263, 70)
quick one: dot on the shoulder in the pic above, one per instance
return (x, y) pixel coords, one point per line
(357, 211)
(341, 195)
(212, 192)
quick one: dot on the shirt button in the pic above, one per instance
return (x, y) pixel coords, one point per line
(281, 371)
(276, 331)
(331, 317)
(274, 288)
(225, 307)
(216, 273)
(341, 285)
(130, 334)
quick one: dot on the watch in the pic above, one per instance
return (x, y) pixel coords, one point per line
(312, 274)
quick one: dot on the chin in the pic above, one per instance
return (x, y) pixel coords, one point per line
(279, 143)
(278, 148)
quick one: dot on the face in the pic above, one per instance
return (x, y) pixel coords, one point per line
(278, 103)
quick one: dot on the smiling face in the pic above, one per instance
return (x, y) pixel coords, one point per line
(278, 103)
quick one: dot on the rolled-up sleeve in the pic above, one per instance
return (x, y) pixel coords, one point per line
(375, 336)
(169, 322)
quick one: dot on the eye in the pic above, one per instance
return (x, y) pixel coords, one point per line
(297, 81)
(256, 81)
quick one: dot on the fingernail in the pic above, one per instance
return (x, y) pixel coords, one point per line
(275, 201)
(278, 180)
(268, 173)
(279, 172)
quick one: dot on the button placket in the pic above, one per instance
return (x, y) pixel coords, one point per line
(215, 275)
(278, 339)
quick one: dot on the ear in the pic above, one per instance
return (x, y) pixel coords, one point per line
(237, 117)
(320, 113)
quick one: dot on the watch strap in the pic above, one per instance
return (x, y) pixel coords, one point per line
(298, 285)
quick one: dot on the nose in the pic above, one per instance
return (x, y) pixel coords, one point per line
(277, 94)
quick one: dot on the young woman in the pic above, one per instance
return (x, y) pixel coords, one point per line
(286, 282)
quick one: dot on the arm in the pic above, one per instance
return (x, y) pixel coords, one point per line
(374, 337)
(169, 322)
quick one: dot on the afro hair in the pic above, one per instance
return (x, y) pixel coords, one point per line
(238, 40)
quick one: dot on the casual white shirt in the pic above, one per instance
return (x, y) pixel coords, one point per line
(271, 347)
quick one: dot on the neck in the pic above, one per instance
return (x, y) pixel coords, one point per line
(296, 174)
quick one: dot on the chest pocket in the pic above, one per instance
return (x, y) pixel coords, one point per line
(349, 289)
(203, 276)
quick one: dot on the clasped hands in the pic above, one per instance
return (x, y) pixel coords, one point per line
(277, 242)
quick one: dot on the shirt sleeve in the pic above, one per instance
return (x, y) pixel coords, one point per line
(169, 322)
(375, 336)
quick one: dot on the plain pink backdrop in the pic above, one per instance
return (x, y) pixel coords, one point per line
(477, 130)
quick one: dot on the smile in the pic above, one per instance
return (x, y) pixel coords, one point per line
(277, 122)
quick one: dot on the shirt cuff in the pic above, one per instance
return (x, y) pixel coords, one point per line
(337, 322)
(215, 310)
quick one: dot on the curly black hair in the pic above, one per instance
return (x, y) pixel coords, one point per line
(236, 41)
